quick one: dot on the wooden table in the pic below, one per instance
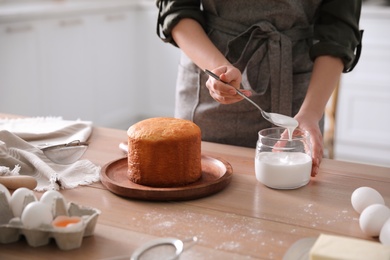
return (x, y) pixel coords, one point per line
(244, 221)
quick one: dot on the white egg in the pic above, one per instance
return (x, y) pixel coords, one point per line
(365, 196)
(384, 235)
(19, 199)
(4, 190)
(373, 218)
(50, 198)
(36, 214)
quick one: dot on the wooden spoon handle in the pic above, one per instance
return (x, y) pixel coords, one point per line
(18, 181)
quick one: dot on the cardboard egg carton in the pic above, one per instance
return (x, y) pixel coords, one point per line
(11, 228)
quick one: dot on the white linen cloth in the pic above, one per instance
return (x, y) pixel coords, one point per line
(20, 140)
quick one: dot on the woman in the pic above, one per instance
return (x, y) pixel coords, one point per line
(288, 55)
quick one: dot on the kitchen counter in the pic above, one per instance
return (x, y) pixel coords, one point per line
(246, 220)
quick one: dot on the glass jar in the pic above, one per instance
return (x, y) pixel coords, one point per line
(283, 163)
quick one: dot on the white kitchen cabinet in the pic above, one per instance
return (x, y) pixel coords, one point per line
(67, 67)
(96, 60)
(89, 62)
(159, 66)
(363, 120)
(113, 50)
(20, 84)
(136, 71)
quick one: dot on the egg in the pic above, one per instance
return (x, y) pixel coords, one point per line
(19, 199)
(36, 214)
(68, 224)
(384, 235)
(50, 198)
(4, 190)
(373, 218)
(365, 196)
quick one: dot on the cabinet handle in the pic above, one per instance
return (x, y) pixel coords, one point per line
(72, 22)
(115, 17)
(19, 29)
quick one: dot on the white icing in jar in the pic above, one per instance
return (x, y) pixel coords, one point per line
(283, 163)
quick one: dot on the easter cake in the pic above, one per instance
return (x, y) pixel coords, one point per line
(164, 152)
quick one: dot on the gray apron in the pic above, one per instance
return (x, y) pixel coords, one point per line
(272, 54)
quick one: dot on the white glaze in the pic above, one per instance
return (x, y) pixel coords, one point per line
(285, 121)
(283, 170)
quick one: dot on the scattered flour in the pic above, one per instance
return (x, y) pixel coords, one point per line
(233, 233)
(318, 217)
(229, 232)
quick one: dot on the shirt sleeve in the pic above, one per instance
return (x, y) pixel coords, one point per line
(336, 31)
(172, 11)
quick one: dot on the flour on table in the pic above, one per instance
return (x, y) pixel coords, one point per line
(237, 231)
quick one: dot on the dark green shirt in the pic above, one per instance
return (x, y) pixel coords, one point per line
(273, 43)
(335, 22)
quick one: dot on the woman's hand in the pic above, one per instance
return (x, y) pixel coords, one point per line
(325, 77)
(311, 125)
(226, 93)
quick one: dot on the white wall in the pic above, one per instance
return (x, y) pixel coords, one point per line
(99, 63)
(362, 119)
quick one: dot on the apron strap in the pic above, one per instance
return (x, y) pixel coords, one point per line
(264, 56)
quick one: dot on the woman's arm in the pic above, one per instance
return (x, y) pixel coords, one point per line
(194, 42)
(192, 39)
(337, 34)
(325, 77)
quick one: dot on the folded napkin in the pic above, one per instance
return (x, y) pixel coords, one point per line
(43, 131)
(20, 140)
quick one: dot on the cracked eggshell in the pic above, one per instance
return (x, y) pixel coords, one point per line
(68, 224)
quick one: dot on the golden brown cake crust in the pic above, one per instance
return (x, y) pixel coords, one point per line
(164, 152)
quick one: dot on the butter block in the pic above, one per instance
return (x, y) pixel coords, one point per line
(330, 247)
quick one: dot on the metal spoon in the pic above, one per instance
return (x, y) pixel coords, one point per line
(274, 118)
(65, 153)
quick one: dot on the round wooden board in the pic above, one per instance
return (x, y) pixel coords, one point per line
(216, 175)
